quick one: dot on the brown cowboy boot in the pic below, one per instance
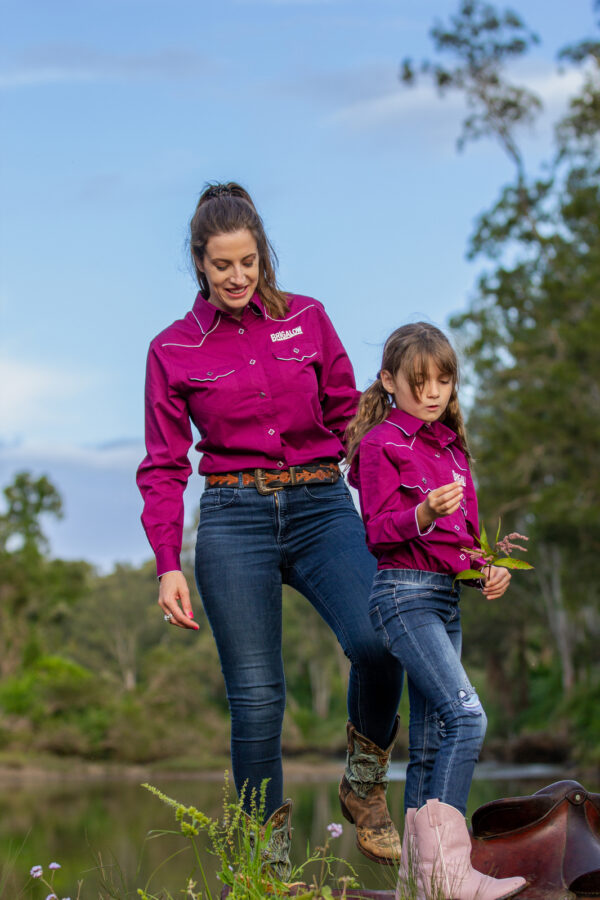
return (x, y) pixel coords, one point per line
(275, 853)
(362, 797)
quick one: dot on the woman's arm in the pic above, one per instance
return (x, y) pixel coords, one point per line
(163, 474)
(337, 387)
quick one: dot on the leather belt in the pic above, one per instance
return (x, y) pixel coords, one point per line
(267, 481)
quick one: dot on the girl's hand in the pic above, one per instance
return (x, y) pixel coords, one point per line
(442, 502)
(497, 580)
(173, 592)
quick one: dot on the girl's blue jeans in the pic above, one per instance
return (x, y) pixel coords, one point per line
(248, 545)
(418, 617)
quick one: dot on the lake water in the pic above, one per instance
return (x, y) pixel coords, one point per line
(73, 823)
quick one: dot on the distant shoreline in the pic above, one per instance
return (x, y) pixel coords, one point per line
(57, 769)
(309, 769)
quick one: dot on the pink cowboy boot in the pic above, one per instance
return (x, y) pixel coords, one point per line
(408, 868)
(443, 848)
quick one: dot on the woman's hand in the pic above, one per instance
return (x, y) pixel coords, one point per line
(442, 502)
(173, 592)
(497, 580)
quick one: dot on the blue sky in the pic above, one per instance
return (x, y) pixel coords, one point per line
(114, 114)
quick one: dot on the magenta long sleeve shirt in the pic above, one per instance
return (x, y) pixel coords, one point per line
(262, 392)
(399, 462)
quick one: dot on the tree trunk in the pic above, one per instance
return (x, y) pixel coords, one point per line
(548, 573)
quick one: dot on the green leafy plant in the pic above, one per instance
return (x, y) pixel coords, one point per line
(237, 841)
(497, 555)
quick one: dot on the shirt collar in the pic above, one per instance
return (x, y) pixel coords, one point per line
(204, 311)
(410, 425)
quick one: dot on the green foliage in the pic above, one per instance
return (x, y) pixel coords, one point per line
(490, 555)
(240, 843)
(27, 500)
(530, 338)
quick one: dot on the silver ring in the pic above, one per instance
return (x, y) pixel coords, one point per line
(167, 617)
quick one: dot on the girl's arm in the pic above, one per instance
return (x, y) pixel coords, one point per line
(390, 514)
(443, 501)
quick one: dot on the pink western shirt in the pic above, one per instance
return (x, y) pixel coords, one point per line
(262, 392)
(399, 462)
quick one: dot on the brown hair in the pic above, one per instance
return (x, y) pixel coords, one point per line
(222, 209)
(409, 350)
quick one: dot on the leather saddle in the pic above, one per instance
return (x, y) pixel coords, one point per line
(551, 838)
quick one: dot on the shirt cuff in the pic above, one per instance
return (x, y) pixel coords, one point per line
(427, 530)
(167, 560)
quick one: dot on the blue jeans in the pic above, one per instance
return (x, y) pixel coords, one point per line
(312, 538)
(417, 614)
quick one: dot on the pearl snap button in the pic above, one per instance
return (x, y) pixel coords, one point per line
(241, 331)
(252, 362)
(271, 431)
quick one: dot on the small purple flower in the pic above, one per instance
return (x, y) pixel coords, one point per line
(54, 866)
(36, 872)
(335, 830)
(51, 897)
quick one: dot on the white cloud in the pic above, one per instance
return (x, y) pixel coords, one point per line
(54, 64)
(394, 105)
(33, 395)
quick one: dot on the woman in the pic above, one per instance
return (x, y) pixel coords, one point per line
(266, 381)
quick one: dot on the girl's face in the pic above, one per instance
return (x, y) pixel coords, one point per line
(433, 395)
(230, 266)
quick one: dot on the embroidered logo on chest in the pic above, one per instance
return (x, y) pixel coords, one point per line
(286, 335)
(460, 479)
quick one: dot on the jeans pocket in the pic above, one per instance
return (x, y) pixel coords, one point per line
(335, 491)
(218, 498)
(407, 594)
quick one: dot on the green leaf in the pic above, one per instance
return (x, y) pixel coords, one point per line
(467, 574)
(498, 532)
(483, 542)
(507, 562)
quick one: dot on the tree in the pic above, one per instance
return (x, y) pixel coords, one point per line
(531, 333)
(27, 500)
(33, 589)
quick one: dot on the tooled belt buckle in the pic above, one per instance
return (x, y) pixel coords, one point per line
(261, 486)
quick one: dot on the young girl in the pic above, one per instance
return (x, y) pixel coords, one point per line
(410, 463)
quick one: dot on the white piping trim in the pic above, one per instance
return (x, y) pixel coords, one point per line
(408, 446)
(287, 319)
(431, 527)
(296, 358)
(198, 321)
(455, 460)
(224, 375)
(193, 346)
(407, 433)
(415, 486)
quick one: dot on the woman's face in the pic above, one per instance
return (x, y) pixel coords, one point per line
(230, 266)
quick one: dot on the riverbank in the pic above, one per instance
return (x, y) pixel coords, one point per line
(18, 770)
